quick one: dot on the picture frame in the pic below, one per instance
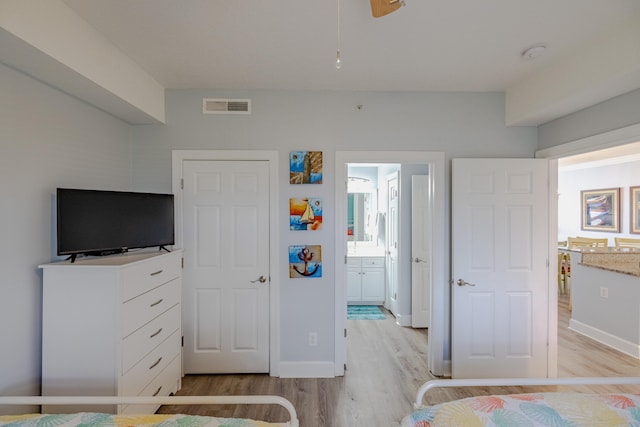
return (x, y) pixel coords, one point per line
(305, 213)
(634, 204)
(600, 210)
(305, 167)
(305, 261)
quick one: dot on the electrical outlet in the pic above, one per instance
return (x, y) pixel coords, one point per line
(604, 292)
(313, 338)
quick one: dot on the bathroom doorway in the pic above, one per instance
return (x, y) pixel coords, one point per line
(410, 163)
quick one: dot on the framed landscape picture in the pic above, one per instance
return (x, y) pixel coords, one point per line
(601, 210)
(634, 202)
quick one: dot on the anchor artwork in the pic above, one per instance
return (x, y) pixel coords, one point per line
(305, 261)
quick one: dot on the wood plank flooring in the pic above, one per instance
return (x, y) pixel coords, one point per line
(386, 364)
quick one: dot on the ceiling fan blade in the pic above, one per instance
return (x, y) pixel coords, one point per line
(384, 7)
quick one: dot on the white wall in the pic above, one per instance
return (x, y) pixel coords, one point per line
(458, 124)
(47, 140)
(572, 180)
(615, 113)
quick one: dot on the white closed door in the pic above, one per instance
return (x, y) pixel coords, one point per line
(393, 207)
(500, 245)
(226, 271)
(420, 251)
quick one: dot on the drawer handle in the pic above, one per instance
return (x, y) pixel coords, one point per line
(157, 391)
(155, 273)
(155, 364)
(157, 302)
(156, 334)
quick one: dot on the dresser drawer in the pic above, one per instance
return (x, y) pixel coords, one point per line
(139, 377)
(353, 262)
(141, 310)
(141, 277)
(167, 382)
(145, 339)
(373, 262)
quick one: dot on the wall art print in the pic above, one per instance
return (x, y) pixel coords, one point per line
(601, 210)
(305, 261)
(305, 213)
(305, 167)
(634, 202)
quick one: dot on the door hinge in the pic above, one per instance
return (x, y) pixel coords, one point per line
(182, 263)
(182, 344)
(345, 259)
(182, 183)
(345, 332)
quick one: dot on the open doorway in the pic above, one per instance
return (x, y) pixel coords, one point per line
(613, 168)
(372, 235)
(433, 163)
(586, 148)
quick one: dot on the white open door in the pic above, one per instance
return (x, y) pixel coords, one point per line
(500, 267)
(393, 217)
(420, 251)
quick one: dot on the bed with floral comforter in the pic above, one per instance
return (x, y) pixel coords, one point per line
(88, 419)
(561, 409)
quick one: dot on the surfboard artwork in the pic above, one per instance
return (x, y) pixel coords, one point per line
(305, 167)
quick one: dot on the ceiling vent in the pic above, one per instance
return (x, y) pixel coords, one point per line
(226, 106)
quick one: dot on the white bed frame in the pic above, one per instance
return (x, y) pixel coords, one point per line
(156, 400)
(487, 382)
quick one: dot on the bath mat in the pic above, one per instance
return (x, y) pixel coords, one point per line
(364, 312)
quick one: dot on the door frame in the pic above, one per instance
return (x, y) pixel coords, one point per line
(177, 159)
(439, 292)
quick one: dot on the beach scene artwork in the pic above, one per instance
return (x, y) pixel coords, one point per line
(305, 213)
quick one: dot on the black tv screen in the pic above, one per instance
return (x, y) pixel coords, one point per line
(97, 222)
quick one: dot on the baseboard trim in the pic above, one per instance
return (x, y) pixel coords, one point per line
(606, 338)
(307, 370)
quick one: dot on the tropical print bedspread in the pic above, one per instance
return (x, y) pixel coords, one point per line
(536, 409)
(89, 419)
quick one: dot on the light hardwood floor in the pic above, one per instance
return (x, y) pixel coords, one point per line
(386, 364)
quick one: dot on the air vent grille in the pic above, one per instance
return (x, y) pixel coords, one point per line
(226, 106)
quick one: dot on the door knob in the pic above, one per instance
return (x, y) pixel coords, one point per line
(419, 260)
(464, 283)
(260, 279)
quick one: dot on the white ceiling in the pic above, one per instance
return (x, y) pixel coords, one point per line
(121, 55)
(446, 45)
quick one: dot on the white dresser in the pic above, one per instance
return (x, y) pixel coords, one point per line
(111, 326)
(365, 280)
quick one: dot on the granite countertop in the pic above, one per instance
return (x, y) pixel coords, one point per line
(365, 251)
(621, 260)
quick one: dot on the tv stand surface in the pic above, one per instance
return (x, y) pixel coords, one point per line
(97, 254)
(115, 259)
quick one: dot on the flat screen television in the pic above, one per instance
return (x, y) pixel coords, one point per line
(98, 222)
